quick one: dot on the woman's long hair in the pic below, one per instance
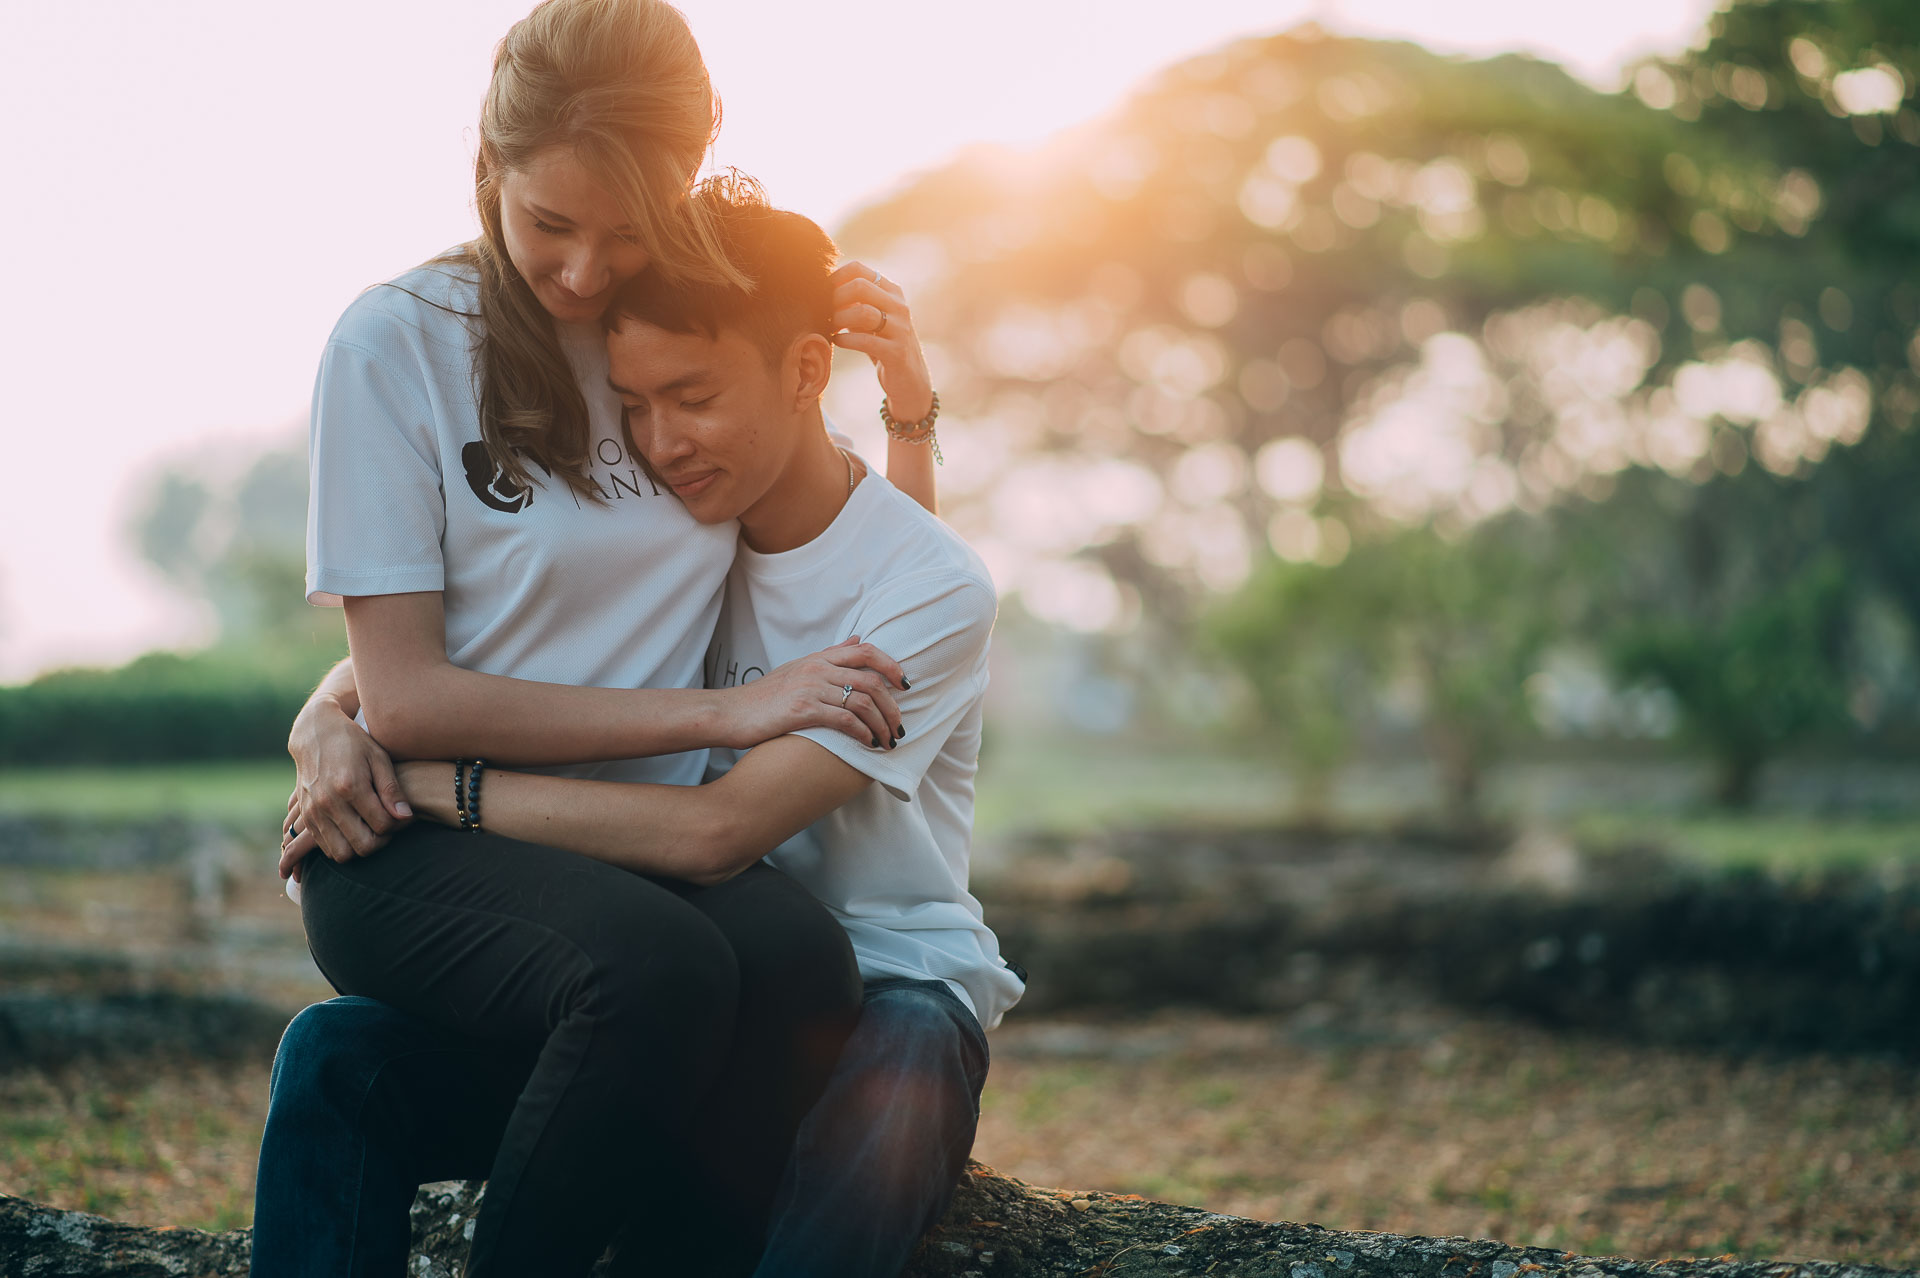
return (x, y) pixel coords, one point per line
(621, 83)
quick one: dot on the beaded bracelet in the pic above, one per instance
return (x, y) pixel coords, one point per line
(460, 791)
(470, 819)
(920, 432)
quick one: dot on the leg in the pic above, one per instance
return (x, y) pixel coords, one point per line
(367, 1104)
(800, 996)
(877, 1159)
(627, 993)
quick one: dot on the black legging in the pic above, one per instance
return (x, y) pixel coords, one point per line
(682, 1031)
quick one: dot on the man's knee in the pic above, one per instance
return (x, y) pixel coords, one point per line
(332, 1051)
(916, 1050)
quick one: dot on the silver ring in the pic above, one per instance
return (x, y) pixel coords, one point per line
(845, 693)
(882, 326)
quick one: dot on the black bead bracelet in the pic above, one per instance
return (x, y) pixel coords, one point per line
(470, 819)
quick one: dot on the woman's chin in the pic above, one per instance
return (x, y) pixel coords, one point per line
(568, 308)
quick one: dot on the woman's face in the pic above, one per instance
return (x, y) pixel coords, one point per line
(567, 236)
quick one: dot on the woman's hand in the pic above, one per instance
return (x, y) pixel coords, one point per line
(870, 315)
(346, 799)
(811, 692)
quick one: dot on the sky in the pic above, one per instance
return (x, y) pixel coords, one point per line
(200, 188)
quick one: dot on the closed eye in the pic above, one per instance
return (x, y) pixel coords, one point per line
(546, 227)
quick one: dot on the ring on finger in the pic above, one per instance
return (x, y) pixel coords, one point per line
(845, 693)
(881, 327)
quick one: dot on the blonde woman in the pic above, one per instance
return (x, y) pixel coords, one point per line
(603, 1046)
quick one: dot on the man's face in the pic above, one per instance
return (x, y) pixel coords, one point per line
(713, 419)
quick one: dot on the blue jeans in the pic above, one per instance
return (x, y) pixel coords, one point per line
(368, 1103)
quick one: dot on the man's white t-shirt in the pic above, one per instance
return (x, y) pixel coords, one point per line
(538, 582)
(891, 863)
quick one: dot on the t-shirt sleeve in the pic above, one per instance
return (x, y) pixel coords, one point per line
(936, 626)
(375, 506)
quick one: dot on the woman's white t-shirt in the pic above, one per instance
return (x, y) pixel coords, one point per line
(538, 582)
(891, 863)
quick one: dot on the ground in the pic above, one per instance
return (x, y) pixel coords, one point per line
(1464, 1125)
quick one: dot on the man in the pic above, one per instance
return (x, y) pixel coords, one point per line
(722, 393)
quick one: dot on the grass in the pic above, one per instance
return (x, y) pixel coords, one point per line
(1065, 785)
(1772, 840)
(252, 793)
(1483, 1128)
(157, 1143)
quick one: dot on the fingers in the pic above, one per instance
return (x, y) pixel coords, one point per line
(866, 656)
(868, 344)
(849, 272)
(877, 712)
(322, 830)
(294, 851)
(862, 304)
(387, 784)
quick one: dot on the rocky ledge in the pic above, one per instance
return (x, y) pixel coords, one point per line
(997, 1226)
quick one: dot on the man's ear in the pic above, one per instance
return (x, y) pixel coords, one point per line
(810, 361)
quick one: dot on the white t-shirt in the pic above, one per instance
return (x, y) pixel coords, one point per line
(891, 863)
(538, 583)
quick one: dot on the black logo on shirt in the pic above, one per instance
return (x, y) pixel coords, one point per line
(494, 488)
(490, 483)
(723, 668)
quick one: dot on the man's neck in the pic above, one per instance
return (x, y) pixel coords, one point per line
(806, 498)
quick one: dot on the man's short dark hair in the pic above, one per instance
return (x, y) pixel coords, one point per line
(787, 256)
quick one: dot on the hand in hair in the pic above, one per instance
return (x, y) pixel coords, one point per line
(870, 315)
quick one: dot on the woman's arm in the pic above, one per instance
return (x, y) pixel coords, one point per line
(699, 833)
(418, 704)
(421, 705)
(871, 315)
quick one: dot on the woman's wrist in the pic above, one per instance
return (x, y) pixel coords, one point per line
(429, 788)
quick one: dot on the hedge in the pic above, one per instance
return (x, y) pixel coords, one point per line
(161, 708)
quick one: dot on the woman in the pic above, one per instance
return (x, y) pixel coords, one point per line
(516, 588)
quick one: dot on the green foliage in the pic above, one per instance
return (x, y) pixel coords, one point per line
(1763, 675)
(162, 707)
(1686, 313)
(1461, 622)
(241, 546)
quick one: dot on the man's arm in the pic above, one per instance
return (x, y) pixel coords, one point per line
(703, 834)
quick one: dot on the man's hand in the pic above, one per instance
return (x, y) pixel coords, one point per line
(346, 799)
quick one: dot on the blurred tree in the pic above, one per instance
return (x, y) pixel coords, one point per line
(1728, 595)
(1458, 622)
(240, 546)
(1306, 290)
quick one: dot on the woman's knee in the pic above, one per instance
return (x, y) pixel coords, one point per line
(663, 969)
(791, 952)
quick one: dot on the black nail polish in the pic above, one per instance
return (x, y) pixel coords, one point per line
(899, 732)
(876, 743)
(904, 685)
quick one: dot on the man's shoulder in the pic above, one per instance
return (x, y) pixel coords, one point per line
(923, 575)
(916, 549)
